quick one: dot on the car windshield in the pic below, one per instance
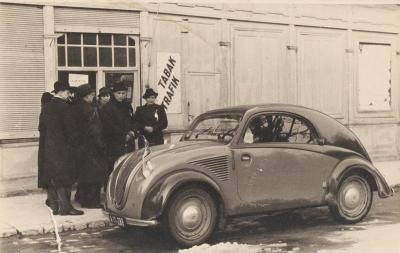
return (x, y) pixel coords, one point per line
(215, 128)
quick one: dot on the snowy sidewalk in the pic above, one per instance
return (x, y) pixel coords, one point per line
(28, 215)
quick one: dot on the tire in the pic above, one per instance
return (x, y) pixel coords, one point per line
(191, 216)
(353, 200)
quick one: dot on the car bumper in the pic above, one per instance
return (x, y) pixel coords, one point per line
(131, 221)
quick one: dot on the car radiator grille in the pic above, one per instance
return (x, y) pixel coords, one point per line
(217, 165)
(121, 176)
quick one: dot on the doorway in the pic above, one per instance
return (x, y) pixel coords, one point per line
(129, 79)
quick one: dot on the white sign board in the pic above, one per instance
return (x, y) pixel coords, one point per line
(169, 81)
(77, 79)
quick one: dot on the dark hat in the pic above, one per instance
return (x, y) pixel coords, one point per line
(149, 92)
(46, 97)
(119, 86)
(104, 91)
(84, 90)
(60, 86)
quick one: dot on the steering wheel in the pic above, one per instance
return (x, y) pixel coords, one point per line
(228, 133)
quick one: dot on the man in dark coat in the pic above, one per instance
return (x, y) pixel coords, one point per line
(92, 163)
(151, 119)
(118, 124)
(59, 138)
(46, 97)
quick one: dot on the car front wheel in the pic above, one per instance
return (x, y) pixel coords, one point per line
(354, 199)
(191, 216)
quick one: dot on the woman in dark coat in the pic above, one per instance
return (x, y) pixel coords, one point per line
(118, 124)
(59, 138)
(92, 163)
(104, 97)
(151, 119)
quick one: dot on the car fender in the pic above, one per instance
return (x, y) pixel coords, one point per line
(157, 197)
(355, 164)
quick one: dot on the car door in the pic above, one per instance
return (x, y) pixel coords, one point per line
(279, 164)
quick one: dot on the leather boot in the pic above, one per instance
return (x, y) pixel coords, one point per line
(71, 211)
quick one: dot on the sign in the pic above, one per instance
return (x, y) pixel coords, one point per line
(77, 79)
(169, 81)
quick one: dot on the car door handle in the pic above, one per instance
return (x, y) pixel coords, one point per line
(246, 158)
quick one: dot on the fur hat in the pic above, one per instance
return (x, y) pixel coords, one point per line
(84, 90)
(104, 91)
(118, 86)
(46, 97)
(149, 92)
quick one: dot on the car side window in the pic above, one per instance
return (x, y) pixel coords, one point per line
(278, 128)
(301, 133)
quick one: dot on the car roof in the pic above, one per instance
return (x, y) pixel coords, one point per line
(245, 108)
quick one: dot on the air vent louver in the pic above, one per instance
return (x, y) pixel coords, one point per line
(217, 165)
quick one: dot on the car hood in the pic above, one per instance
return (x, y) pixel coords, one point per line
(182, 147)
(169, 155)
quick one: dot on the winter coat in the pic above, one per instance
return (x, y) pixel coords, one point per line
(117, 119)
(154, 116)
(41, 172)
(58, 138)
(92, 160)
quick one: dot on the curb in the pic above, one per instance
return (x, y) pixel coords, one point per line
(49, 228)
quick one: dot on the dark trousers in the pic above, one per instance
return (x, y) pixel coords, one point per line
(59, 199)
(89, 194)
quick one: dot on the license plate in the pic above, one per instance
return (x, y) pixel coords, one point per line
(118, 221)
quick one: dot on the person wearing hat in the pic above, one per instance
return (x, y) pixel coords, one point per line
(92, 164)
(118, 124)
(151, 119)
(104, 97)
(56, 126)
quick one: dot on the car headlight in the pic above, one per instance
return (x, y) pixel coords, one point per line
(147, 169)
(120, 160)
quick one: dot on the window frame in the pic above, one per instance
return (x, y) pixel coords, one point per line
(113, 67)
(292, 115)
(371, 117)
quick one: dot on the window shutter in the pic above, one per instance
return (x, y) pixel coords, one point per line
(67, 19)
(22, 75)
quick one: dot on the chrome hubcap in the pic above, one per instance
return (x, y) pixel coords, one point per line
(353, 197)
(191, 217)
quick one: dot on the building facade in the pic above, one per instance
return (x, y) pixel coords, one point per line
(340, 59)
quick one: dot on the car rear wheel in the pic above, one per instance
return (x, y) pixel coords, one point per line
(191, 216)
(354, 199)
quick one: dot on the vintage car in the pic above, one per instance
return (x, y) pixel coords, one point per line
(240, 161)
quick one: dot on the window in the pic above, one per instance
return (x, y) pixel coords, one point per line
(96, 50)
(278, 128)
(216, 128)
(374, 77)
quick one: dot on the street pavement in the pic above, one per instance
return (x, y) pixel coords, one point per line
(301, 231)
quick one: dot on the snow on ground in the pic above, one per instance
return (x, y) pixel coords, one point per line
(373, 239)
(230, 247)
(375, 236)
